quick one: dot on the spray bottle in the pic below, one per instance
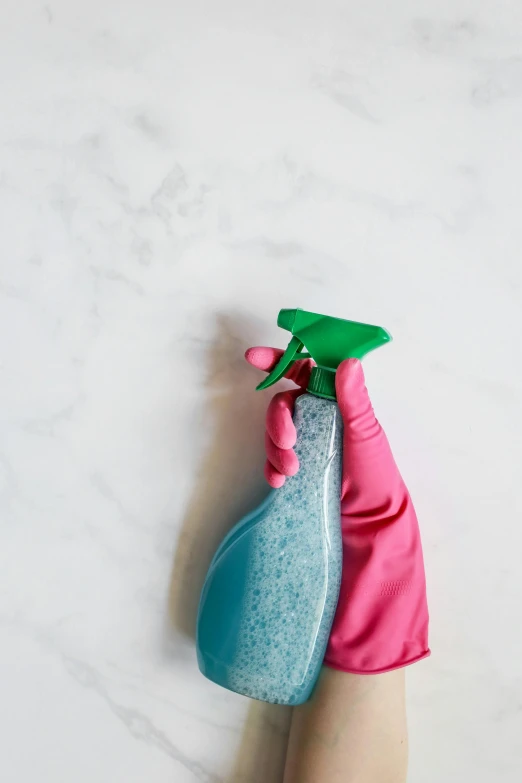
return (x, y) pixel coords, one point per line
(271, 591)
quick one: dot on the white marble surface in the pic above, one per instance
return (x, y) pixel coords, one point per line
(171, 174)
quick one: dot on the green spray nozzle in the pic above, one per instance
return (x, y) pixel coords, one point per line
(328, 341)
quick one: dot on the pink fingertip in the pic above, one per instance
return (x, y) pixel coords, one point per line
(292, 463)
(273, 477)
(262, 357)
(284, 460)
(279, 420)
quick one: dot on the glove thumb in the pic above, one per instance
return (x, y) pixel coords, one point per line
(354, 401)
(371, 476)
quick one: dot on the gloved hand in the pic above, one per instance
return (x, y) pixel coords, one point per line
(381, 622)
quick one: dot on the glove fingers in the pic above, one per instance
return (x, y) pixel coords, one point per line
(273, 477)
(284, 460)
(262, 357)
(279, 423)
(265, 358)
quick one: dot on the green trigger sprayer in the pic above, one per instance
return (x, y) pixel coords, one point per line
(271, 590)
(329, 341)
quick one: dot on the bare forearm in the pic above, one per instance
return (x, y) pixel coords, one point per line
(353, 730)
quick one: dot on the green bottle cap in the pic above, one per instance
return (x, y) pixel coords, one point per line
(329, 341)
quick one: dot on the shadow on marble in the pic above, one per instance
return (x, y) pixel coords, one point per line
(262, 753)
(229, 481)
(229, 484)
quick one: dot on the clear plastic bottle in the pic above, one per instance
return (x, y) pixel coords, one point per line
(271, 591)
(272, 588)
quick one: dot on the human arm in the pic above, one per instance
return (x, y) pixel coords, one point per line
(381, 620)
(352, 730)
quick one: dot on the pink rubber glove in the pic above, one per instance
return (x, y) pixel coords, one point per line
(381, 622)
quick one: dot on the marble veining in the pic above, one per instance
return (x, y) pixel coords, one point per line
(171, 174)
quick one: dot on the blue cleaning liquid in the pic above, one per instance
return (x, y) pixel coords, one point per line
(271, 592)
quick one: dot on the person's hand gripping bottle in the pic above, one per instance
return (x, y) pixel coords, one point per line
(272, 589)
